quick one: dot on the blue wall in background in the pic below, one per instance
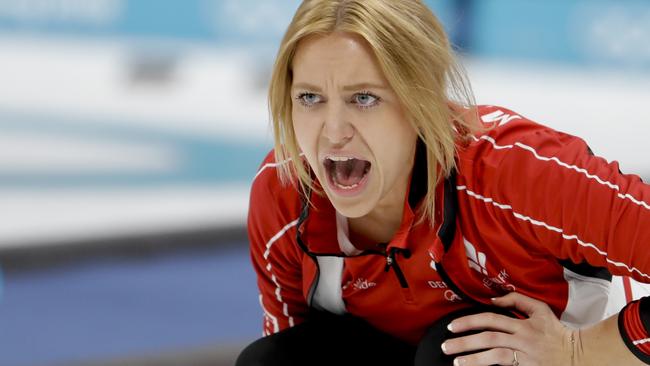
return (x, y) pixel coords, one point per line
(193, 20)
(576, 31)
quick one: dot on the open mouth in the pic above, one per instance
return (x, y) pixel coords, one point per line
(346, 173)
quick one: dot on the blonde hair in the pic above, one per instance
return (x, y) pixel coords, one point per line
(416, 58)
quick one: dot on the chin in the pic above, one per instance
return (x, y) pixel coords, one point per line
(353, 207)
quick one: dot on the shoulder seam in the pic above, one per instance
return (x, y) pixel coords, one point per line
(559, 162)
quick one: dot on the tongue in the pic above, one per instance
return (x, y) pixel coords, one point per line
(349, 173)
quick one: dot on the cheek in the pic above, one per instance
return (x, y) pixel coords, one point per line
(393, 147)
(390, 129)
(404, 137)
(305, 128)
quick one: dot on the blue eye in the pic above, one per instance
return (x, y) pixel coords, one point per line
(308, 99)
(365, 99)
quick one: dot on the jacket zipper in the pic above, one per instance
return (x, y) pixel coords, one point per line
(391, 262)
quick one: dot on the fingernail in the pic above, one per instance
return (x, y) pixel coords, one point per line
(456, 361)
(444, 348)
(450, 327)
(493, 299)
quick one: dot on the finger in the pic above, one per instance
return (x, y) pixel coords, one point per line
(523, 303)
(485, 321)
(495, 356)
(480, 341)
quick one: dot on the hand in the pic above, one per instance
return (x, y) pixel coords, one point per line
(538, 340)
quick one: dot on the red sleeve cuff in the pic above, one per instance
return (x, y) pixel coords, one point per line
(633, 325)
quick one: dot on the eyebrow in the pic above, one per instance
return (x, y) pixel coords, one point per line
(345, 88)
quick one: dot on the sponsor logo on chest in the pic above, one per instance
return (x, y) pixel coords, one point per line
(360, 284)
(478, 262)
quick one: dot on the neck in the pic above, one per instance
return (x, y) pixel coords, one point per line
(368, 231)
(381, 224)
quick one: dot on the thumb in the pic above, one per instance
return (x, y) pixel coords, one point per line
(523, 303)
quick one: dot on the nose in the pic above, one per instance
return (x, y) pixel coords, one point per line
(337, 129)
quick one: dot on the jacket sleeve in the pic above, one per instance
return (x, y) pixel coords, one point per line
(275, 256)
(580, 207)
(573, 204)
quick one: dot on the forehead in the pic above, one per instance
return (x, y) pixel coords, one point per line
(336, 56)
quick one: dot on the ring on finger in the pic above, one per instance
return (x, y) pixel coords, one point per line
(515, 361)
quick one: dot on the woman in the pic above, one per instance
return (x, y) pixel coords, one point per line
(394, 202)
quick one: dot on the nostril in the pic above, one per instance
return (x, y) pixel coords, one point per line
(337, 132)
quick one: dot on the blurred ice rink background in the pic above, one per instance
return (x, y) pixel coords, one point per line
(130, 131)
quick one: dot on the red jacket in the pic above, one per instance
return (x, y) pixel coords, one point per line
(529, 209)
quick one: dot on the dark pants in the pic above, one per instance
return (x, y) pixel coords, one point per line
(327, 339)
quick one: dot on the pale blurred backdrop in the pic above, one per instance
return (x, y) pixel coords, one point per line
(130, 131)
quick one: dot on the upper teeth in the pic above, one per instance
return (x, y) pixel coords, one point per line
(339, 158)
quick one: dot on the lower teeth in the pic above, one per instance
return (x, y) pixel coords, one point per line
(355, 185)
